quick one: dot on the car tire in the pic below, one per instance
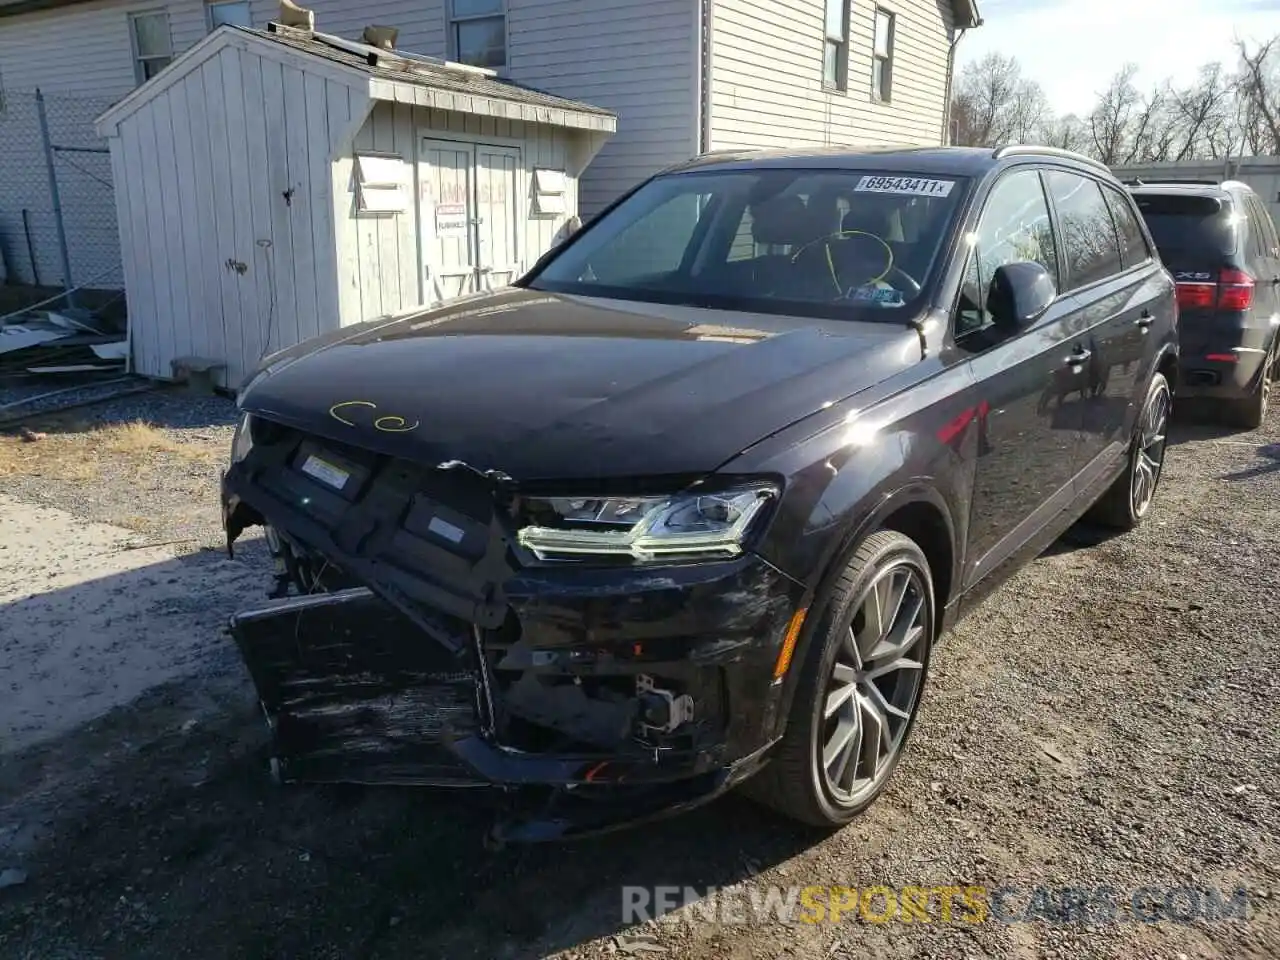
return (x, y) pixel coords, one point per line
(846, 687)
(1251, 412)
(1129, 499)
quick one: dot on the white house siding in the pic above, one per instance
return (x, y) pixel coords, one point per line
(636, 59)
(380, 270)
(204, 278)
(767, 88)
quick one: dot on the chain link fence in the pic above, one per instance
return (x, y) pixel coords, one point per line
(85, 205)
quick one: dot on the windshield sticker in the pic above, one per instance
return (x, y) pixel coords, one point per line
(912, 186)
(884, 296)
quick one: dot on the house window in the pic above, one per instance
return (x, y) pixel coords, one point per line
(234, 12)
(835, 51)
(478, 32)
(152, 44)
(882, 56)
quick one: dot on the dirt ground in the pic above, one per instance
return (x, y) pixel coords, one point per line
(1108, 719)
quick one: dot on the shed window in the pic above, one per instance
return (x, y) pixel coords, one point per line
(835, 53)
(152, 44)
(882, 56)
(380, 183)
(478, 32)
(234, 12)
(548, 191)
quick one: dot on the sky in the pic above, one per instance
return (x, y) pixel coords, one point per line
(1074, 47)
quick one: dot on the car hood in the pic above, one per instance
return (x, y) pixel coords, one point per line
(550, 387)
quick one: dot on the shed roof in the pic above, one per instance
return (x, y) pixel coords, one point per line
(398, 66)
(380, 74)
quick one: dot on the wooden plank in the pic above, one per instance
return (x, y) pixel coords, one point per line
(384, 141)
(142, 293)
(159, 340)
(265, 336)
(209, 268)
(189, 226)
(124, 224)
(224, 212)
(177, 339)
(296, 146)
(278, 184)
(242, 347)
(368, 253)
(406, 144)
(346, 233)
(320, 170)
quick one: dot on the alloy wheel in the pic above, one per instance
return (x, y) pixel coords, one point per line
(874, 684)
(1149, 460)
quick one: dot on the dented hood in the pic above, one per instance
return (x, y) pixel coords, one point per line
(544, 386)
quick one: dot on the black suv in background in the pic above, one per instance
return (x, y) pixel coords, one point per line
(693, 500)
(1220, 243)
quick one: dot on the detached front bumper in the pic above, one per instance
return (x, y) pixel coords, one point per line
(609, 694)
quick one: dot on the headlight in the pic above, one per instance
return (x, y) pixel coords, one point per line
(688, 526)
(242, 442)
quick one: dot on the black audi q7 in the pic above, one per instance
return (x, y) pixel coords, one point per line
(692, 502)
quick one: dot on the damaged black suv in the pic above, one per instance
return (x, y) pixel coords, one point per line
(692, 502)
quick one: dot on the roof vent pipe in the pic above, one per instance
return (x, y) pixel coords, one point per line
(384, 38)
(292, 15)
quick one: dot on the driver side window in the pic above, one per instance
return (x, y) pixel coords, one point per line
(1014, 227)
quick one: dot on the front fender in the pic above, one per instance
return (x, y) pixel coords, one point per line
(855, 469)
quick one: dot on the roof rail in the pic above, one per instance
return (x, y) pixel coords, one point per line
(1024, 150)
(1189, 181)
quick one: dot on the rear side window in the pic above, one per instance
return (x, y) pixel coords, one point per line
(1133, 245)
(1261, 230)
(1088, 234)
(1189, 226)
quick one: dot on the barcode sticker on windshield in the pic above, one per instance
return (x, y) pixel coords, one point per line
(914, 186)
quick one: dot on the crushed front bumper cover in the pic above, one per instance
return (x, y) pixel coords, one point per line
(421, 648)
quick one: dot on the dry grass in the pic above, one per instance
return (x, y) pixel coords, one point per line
(78, 455)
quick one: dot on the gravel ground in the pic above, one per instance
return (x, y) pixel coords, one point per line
(169, 494)
(1108, 718)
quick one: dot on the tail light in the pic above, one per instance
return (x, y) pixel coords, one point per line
(1193, 296)
(1233, 291)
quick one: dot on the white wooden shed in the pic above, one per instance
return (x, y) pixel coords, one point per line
(275, 185)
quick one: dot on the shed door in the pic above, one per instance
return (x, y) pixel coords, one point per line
(498, 213)
(470, 217)
(448, 201)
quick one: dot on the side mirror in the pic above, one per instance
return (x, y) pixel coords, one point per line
(1020, 292)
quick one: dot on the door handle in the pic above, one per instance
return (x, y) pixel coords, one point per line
(1079, 357)
(1144, 321)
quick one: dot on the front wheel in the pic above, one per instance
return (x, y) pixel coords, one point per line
(1129, 499)
(861, 685)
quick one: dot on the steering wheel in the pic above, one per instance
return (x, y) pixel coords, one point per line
(890, 269)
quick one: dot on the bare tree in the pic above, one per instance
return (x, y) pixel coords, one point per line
(1111, 123)
(1067, 132)
(1204, 113)
(1260, 87)
(994, 103)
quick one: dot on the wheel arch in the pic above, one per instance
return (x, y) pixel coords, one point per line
(917, 511)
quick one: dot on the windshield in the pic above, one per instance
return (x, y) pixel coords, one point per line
(830, 243)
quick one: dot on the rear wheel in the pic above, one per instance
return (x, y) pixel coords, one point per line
(1129, 499)
(1251, 412)
(860, 687)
